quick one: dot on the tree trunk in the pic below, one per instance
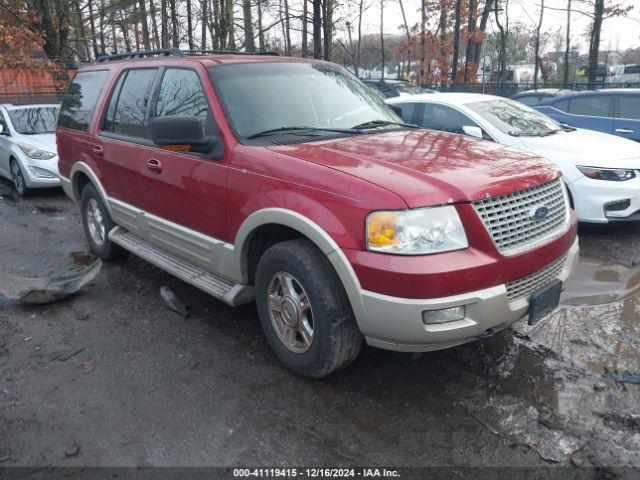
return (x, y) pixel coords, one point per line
(231, 42)
(175, 39)
(249, 44)
(81, 37)
(154, 24)
(536, 53)
(382, 37)
(136, 30)
(203, 19)
(357, 60)
(92, 26)
(408, 34)
(594, 44)
(456, 42)
(305, 19)
(502, 57)
(260, 32)
(164, 22)
(190, 26)
(102, 22)
(328, 27)
(287, 27)
(567, 50)
(442, 27)
(486, 11)
(146, 41)
(317, 29)
(471, 41)
(215, 25)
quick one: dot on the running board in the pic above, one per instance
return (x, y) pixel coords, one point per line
(215, 285)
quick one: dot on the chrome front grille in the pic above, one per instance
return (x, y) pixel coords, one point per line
(510, 222)
(525, 286)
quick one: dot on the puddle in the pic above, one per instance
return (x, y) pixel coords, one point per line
(48, 210)
(82, 258)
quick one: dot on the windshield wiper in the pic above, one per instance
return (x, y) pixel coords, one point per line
(296, 130)
(381, 123)
(533, 134)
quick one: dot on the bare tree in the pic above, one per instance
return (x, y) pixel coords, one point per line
(317, 28)
(190, 26)
(536, 54)
(484, 18)
(382, 36)
(456, 42)
(145, 25)
(249, 44)
(305, 23)
(471, 32)
(567, 48)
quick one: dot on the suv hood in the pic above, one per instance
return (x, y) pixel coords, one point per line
(586, 147)
(428, 167)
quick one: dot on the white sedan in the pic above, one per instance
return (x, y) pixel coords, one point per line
(28, 153)
(601, 171)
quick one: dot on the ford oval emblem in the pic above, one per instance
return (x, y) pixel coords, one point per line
(538, 212)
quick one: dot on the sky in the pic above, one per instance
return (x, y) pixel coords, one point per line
(617, 33)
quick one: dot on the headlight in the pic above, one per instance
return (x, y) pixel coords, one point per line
(36, 153)
(612, 174)
(416, 232)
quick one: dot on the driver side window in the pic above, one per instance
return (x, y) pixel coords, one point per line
(3, 122)
(443, 118)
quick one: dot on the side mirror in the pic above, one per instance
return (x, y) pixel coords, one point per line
(181, 133)
(396, 109)
(472, 131)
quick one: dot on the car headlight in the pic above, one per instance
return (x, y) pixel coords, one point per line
(612, 174)
(36, 153)
(416, 232)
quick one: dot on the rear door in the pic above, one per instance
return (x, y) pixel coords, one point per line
(593, 112)
(626, 122)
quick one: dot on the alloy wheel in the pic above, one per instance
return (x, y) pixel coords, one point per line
(95, 222)
(290, 312)
(18, 179)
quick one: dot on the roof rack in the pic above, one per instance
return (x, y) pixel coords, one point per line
(173, 52)
(226, 52)
(169, 52)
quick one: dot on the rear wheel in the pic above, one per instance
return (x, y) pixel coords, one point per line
(17, 176)
(304, 310)
(97, 224)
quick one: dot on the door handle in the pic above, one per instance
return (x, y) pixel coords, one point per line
(623, 130)
(154, 165)
(97, 150)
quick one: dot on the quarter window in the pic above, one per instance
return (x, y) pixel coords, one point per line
(81, 98)
(181, 93)
(593, 106)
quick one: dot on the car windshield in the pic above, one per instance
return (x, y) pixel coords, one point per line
(514, 118)
(409, 89)
(34, 120)
(268, 96)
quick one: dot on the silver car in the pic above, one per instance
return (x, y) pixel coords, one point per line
(28, 152)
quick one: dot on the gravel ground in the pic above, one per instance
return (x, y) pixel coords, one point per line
(111, 377)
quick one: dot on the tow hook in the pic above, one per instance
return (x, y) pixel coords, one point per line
(487, 334)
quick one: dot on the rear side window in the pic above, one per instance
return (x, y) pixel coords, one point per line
(408, 111)
(81, 98)
(181, 94)
(629, 107)
(127, 108)
(594, 106)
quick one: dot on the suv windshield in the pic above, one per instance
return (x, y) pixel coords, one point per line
(268, 96)
(514, 118)
(30, 121)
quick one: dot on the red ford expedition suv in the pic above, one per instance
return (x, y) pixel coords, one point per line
(289, 182)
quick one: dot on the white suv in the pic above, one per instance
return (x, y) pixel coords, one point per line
(28, 153)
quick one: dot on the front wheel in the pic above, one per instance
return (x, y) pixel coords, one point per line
(304, 310)
(19, 183)
(97, 224)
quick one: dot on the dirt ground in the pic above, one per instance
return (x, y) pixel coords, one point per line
(111, 377)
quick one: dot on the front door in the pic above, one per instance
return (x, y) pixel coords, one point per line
(175, 200)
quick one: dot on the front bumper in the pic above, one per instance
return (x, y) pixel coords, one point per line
(592, 196)
(396, 323)
(41, 173)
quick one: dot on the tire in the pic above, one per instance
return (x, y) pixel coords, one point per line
(286, 274)
(17, 176)
(97, 224)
